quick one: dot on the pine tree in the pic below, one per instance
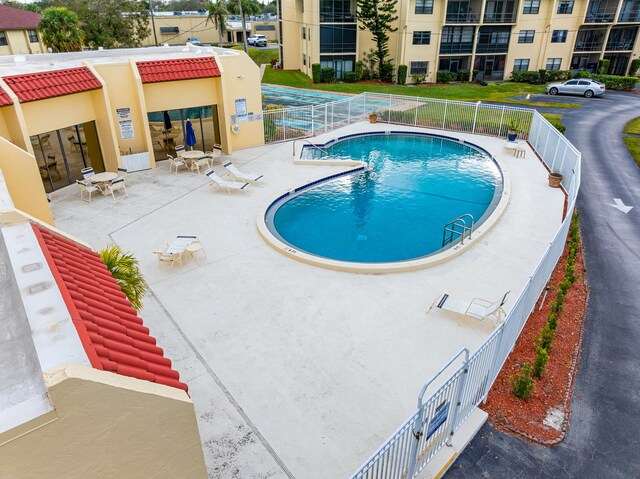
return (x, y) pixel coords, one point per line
(377, 17)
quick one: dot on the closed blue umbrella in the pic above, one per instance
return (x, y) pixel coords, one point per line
(190, 137)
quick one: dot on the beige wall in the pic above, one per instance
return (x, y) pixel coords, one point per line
(19, 43)
(23, 181)
(151, 433)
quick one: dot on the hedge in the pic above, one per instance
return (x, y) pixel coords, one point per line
(316, 72)
(635, 64)
(358, 70)
(446, 77)
(328, 75)
(603, 66)
(350, 77)
(463, 75)
(402, 74)
(614, 82)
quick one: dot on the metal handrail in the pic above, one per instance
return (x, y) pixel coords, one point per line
(451, 229)
(312, 144)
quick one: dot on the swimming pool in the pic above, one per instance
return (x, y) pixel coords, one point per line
(396, 209)
(290, 97)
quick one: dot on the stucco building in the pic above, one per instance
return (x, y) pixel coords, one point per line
(19, 32)
(490, 36)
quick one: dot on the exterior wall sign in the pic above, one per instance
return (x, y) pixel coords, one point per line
(123, 113)
(439, 418)
(241, 109)
(126, 129)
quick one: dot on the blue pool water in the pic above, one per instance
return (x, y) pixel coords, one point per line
(395, 211)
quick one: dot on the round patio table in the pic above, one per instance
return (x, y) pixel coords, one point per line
(102, 179)
(192, 154)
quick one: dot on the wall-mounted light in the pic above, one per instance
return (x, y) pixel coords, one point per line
(241, 75)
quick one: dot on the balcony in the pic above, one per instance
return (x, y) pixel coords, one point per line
(509, 17)
(621, 39)
(463, 11)
(337, 11)
(601, 11)
(337, 18)
(590, 39)
(593, 46)
(500, 11)
(493, 40)
(630, 11)
(456, 48)
(462, 18)
(492, 48)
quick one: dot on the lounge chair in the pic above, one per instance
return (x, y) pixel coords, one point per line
(475, 308)
(236, 174)
(218, 182)
(86, 188)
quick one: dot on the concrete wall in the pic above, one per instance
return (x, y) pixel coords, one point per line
(23, 181)
(106, 426)
(19, 43)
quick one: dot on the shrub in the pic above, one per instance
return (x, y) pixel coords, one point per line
(463, 75)
(328, 75)
(350, 77)
(386, 72)
(552, 320)
(402, 74)
(418, 78)
(540, 362)
(522, 383)
(635, 65)
(358, 70)
(446, 77)
(603, 66)
(543, 75)
(316, 72)
(545, 338)
(584, 74)
(614, 82)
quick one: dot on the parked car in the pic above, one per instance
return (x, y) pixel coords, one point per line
(580, 86)
(194, 41)
(257, 40)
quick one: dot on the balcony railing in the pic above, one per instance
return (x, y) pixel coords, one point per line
(460, 47)
(492, 48)
(619, 46)
(509, 17)
(599, 17)
(337, 18)
(462, 18)
(629, 16)
(594, 46)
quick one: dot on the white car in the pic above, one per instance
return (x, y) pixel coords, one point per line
(257, 40)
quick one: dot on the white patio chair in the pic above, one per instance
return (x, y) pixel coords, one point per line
(124, 174)
(117, 185)
(203, 162)
(86, 188)
(174, 252)
(214, 155)
(218, 182)
(179, 150)
(169, 258)
(87, 173)
(175, 163)
(238, 175)
(475, 308)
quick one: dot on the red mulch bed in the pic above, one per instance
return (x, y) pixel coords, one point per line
(525, 417)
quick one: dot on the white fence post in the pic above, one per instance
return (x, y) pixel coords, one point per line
(326, 118)
(475, 117)
(444, 117)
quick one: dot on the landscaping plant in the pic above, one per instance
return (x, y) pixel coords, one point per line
(126, 271)
(377, 16)
(402, 74)
(316, 73)
(522, 383)
(540, 362)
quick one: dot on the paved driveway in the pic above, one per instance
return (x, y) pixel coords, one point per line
(604, 435)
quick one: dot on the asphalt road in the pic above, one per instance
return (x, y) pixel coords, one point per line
(603, 440)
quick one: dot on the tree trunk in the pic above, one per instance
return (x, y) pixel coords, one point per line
(220, 32)
(244, 28)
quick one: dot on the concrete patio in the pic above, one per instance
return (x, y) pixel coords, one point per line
(293, 369)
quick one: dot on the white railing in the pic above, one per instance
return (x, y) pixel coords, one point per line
(437, 419)
(305, 121)
(441, 414)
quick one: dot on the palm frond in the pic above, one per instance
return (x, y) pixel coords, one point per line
(125, 270)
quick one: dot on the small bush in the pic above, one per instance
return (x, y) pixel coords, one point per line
(540, 362)
(446, 77)
(635, 65)
(545, 338)
(522, 383)
(350, 77)
(584, 74)
(603, 66)
(418, 78)
(358, 70)
(556, 306)
(386, 72)
(463, 75)
(614, 82)
(316, 72)
(328, 75)
(402, 74)
(552, 320)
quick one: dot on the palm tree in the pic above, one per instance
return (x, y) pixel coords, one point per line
(218, 15)
(244, 8)
(124, 268)
(61, 30)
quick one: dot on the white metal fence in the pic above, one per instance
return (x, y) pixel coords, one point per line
(304, 121)
(440, 414)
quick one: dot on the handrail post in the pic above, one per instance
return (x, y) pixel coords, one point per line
(458, 399)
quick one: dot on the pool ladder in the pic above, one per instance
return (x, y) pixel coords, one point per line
(456, 228)
(312, 144)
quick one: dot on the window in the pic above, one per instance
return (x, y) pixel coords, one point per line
(457, 40)
(565, 7)
(304, 59)
(33, 36)
(337, 38)
(169, 30)
(559, 36)
(421, 38)
(521, 65)
(304, 33)
(3, 39)
(531, 7)
(553, 63)
(424, 6)
(419, 68)
(526, 36)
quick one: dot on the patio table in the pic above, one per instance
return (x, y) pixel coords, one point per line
(189, 156)
(101, 180)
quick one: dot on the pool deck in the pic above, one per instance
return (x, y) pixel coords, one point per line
(292, 366)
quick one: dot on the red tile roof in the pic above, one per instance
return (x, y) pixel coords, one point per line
(113, 336)
(4, 98)
(179, 69)
(49, 84)
(18, 19)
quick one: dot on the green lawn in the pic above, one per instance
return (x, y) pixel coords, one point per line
(633, 145)
(633, 127)
(556, 120)
(494, 92)
(260, 56)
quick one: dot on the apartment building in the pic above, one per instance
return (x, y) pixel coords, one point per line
(19, 32)
(492, 37)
